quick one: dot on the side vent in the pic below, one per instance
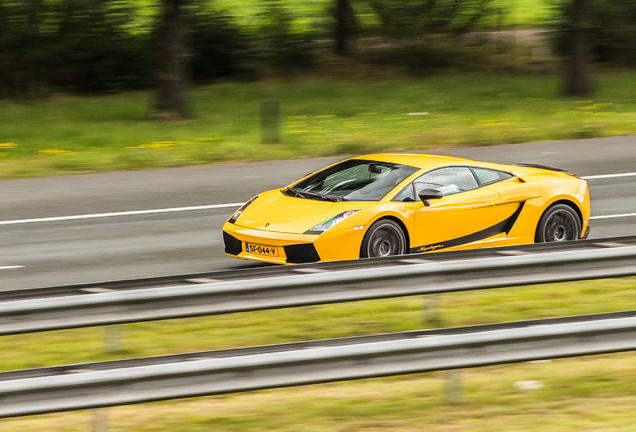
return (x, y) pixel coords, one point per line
(301, 253)
(232, 244)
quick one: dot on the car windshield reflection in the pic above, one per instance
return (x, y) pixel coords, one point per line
(352, 180)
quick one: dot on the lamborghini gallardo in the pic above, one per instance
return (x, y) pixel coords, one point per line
(393, 204)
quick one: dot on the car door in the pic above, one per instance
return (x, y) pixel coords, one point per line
(514, 194)
(461, 219)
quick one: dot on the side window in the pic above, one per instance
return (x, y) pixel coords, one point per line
(487, 176)
(448, 181)
(406, 195)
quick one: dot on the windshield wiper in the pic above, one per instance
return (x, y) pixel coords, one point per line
(312, 195)
(292, 192)
(332, 198)
(304, 195)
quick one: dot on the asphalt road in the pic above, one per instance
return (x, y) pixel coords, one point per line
(84, 250)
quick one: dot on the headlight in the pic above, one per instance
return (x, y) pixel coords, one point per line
(322, 227)
(237, 213)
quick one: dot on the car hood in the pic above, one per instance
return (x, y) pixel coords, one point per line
(274, 211)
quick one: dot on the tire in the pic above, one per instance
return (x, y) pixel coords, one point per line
(559, 223)
(384, 238)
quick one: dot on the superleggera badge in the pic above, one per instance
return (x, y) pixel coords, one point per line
(430, 248)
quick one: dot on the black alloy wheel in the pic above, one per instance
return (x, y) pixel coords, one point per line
(384, 238)
(559, 223)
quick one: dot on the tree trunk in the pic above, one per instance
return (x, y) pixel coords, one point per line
(171, 79)
(341, 26)
(579, 58)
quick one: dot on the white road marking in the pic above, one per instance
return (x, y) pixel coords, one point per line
(10, 267)
(594, 177)
(604, 176)
(126, 213)
(613, 216)
(180, 209)
(236, 205)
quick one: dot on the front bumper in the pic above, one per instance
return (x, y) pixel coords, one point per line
(291, 248)
(287, 254)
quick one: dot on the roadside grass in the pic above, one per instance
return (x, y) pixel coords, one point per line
(593, 393)
(412, 403)
(320, 116)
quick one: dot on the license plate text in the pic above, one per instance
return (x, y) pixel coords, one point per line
(261, 250)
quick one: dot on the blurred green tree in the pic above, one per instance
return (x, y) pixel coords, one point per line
(101, 46)
(278, 42)
(412, 17)
(578, 70)
(218, 46)
(612, 30)
(592, 31)
(344, 20)
(172, 59)
(72, 45)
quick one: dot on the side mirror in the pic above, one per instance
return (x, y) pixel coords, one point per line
(375, 169)
(428, 194)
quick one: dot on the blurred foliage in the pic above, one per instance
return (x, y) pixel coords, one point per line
(72, 44)
(280, 43)
(218, 46)
(102, 46)
(427, 16)
(612, 29)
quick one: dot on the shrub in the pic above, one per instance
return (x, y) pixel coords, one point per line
(612, 30)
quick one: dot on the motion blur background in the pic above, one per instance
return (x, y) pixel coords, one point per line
(105, 85)
(90, 86)
(102, 46)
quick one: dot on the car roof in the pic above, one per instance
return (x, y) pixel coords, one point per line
(418, 160)
(428, 162)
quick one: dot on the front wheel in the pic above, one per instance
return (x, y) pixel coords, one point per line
(384, 238)
(559, 223)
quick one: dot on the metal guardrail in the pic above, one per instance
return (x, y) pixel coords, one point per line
(416, 278)
(118, 383)
(257, 271)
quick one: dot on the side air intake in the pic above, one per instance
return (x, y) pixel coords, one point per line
(232, 244)
(301, 253)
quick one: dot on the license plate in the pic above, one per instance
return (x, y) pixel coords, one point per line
(261, 249)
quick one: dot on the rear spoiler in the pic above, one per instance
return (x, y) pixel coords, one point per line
(545, 167)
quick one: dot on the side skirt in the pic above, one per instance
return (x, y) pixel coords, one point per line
(502, 227)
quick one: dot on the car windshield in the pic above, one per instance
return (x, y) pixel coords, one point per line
(352, 180)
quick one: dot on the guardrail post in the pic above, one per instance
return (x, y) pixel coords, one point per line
(431, 314)
(100, 420)
(112, 338)
(453, 387)
(270, 130)
(432, 317)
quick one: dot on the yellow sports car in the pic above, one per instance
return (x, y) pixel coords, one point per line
(393, 204)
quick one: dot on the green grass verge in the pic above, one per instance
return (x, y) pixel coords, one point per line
(320, 116)
(590, 393)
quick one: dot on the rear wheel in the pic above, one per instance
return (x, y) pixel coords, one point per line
(559, 223)
(384, 238)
